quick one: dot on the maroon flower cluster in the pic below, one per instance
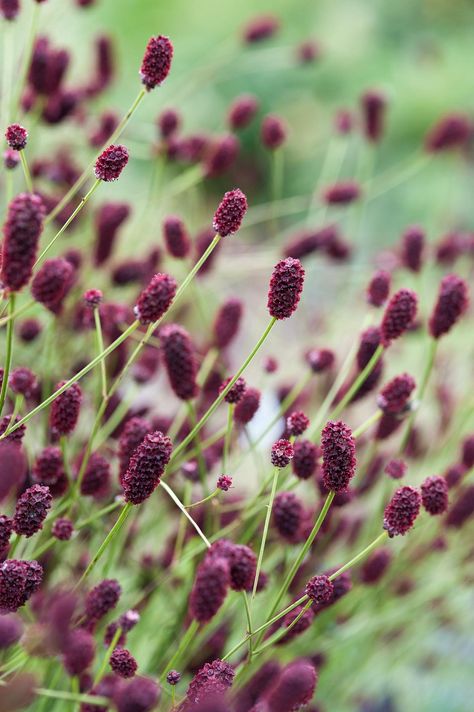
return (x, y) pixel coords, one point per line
(102, 599)
(378, 288)
(282, 453)
(18, 581)
(146, 466)
(156, 299)
(401, 512)
(48, 469)
(305, 459)
(210, 588)
(176, 237)
(180, 360)
(399, 315)
(111, 162)
(21, 231)
(235, 394)
(16, 137)
(375, 566)
(273, 132)
(156, 62)
(63, 529)
(342, 193)
(123, 663)
(373, 110)
(434, 495)
(338, 450)
(287, 515)
(286, 285)
(247, 406)
(297, 423)
(130, 438)
(394, 397)
(230, 213)
(453, 300)
(31, 510)
(242, 111)
(413, 242)
(52, 282)
(212, 679)
(65, 409)
(320, 589)
(227, 322)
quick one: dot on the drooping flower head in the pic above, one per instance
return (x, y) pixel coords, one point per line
(156, 62)
(339, 460)
(111, 162)
(453, 300)
(230, 213)
(399, 314)
(402, 510)
(286, 285)
(21, 232)
(146, 466)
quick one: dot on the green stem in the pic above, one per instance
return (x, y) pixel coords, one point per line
(361, 555)
(100, 348)
(73, 697)
(203, 501)
(110, 536)
(358, 382)
(367, 424)
(248, 614)
(200, 457)
(28, 53)
(266, 526)
(26, 171)
(279, 634)
(228, 436)
(181, 506)
(184, 643)
(108, 653)
(14, 545)
(9, 352)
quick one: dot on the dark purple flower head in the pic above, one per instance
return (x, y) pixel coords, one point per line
(373, 111)
(146, 466)
(6, 528)
(399, 314)
(210, 588)
(394, 397)
(79, 653)
(180, 360)
(241, 111)
(31, 510)
(230, 213)
(52, 282)
(305, 459)
(168, 123)
(224, 483)
(21, 233)
(378, 288)
(227, 322)
(342, 193)
(96, 478)
(102, 599)
(63, 529)
(176, 237)
(92, 298)
(273, 132)
(462, 508)
(243, 566)
(23, 382)
(18, 581)
(107, 123)
(339, 460)
(156, 299)
(108, 220)
(450, 132)
(123, 663)
(29, 330)
(287, 515)
(343, 122)
(396, 469)
(402, 510)
(302, 624)
(296, 423)
(125, 622)
(9, 9)
(261, 28)
(320, 360)
(221, 156)
(141, 694)
(320, 589)
(47, 69)
(235, 394)
(247, 406)
(202, 242)
(468, 452)
(65, 409)
(156, 62)
(11, 630)
(10, 159)
(293, 688)
(48, 469)
(111, 163)
(375, 566)
(434, 495)
(173, 677)
(212, 679)
(16, 136)
(286, 285)
(17, 435)
(308, 51)
(453, 300)
(104, 69)
(282, 453)
(130, 438)
(413, 243)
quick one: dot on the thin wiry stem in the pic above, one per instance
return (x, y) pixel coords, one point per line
(266, 526)
(9, 352)
(358, 382)
(26, 171)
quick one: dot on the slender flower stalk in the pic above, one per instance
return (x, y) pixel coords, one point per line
(421, 392)
(100, 348)
(266, 526)
(127, 508)
(367, 424)
(9, 352)
(358, 382)
(26, 171)
(103, 666)
(183, 509)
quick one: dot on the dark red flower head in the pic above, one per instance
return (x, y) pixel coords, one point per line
(10, 159)
(48, 469)
(305, 459)
(123, 663)
(9, 9)
(375, 566)
(241, 111)
(282, 453)
(378, 288)
(52, 282)
(63, 529)
(176, 237)
(156, 62)
(156, 299)
(31, 510)
(111, 163)
(394, 397)
(452, 131)
(273, 132)
(168, 123)
(399, 314)
(413, 243)
(11, 630)
(236, 393)
(224, 483)
(29, 330)
(212, 679)
(396, 469)
(320, 360)
(296, 423)
(373, 110)
(173, 677)
(342, 193)
(230, 213)
(293, 688)
(453, 300)
(434, 495)
(21, 232)
(16, 136)
(23, 382)
(146, 466)
(286, 285)
(241, 560)
(130, 438)
(339, 460)
(108, 220)
(180, 360)
(6, 528)
(79, 652)
(102, 599)
(210, 588)
(141, 694)
(261, 28)
(47, 69)
(18, 581)
(227, 322)
(468, 452)
(96, 478)
(92, 298)
(221, 155)
(247, 406)
(320, 589)
(65, 409)
(287, 515)
(402, 510)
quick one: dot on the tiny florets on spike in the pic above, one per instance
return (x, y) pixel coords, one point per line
(338, 450)
(65, 409)
(375, 566)
(6, 528)
(52, 282)
(394, 397)
(373, 110)
(248, 405)
(168, 123)
(282, 453)
(236, 392)
(413, 242)
(287, 515)
(111, 162)
(141, 694)
(212, 679)
(173, 677)
(21, 231)
(123, 663)
(453, 300)
(156, 62)
(224, 483)
(17, 137)
(63, 529)
(241, 111)
(146, 466)
(273, 132)
(176, 237)
(79, 653)
(434, 495)
(378, 288)
(286, 285)
(31, 510)
(399, 314)
(92, 298)
(180, 360)
(305, 459)
(320, 589)
(396, 469)
(18, 581)
(227, 322)
(102, 599)
(210, 588)
(293, 688)
(130, 438)
(402, 510)
(342, 193)
(23, 382)
(156, 298)
(230, 213)
(296, 423)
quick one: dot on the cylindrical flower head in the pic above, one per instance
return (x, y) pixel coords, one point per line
(293, 688)
(373, 109)
(23, 382)
(79, 653)
(450, 132)
(147, 464)
(102, 599)
(10, 159)
(180, 360)
(394, 397)
(16, 136)
(48, 469)
(210, 588)
(378, 288)
(21, 232)
(320, 360)
(453, 300)
(130, 438)
(108, 220)
(402, 510)
(286, 285)
(168, 123)
(305, 459)
(282, 453)
(11, 630)
(296, 423)
(156, 299)
(18, 581)
(241, 111)
(287, 514)
(176, 237)
(434, 495)
(375, 566)
(221, 156)
(468, 452)
(396, 469)
(230, 213)
(111, 162)
(156, 62)
(273, 132)
(399, 315)
(96, 479)
(342, 193)
(320, 589)
(9, 9)
(52, 282)
(247, 406)
(31, 510)
(227, 322)
(462, 509)
(123, 663)
(65, 409)
(63, 529)
(211, 680)
(6, 528)
(241, 560)
(339, 460)
(236, 393)
(413, 243)
(141, 694)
